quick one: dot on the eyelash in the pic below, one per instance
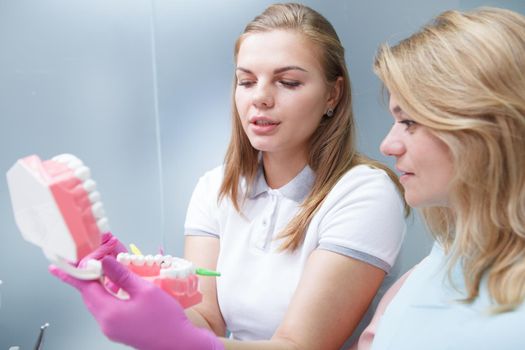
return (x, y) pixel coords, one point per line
(408, 123)
(290, 83)
(286, 83)
(245, 83)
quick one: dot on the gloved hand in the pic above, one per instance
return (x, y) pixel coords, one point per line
(149, 320)
(110, 245)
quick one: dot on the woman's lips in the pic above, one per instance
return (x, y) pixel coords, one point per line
(405, 176)
(263, 125)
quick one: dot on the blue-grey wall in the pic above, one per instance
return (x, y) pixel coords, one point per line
(140, 90)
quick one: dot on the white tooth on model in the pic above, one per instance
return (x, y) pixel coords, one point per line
(137, 260)
(158, 259)
(94, 196)
(98, 210)
(123, 258)
(175, 272)
(83, 173)
(168, 273)
(149, 260)
(180, 268)
(64, 158)
(103, 225)
(179, 262)
(89, 185)
(167, 259)
(75, 164)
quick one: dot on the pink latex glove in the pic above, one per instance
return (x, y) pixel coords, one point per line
(109, 245)
(149, 320)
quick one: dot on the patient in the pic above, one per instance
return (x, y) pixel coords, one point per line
(457, 96)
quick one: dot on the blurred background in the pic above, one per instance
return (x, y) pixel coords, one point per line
(140, 90)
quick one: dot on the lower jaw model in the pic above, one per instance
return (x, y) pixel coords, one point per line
(57, 207)
(174, 275)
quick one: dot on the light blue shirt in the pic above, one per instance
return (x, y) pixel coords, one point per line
(427, 314)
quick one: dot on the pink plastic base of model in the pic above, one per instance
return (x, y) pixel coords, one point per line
(183, 289)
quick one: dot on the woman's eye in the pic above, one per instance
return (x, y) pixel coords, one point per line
(290, 83)
(245, 83)
(410, 124)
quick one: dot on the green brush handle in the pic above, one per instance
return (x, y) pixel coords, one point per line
(205, 272)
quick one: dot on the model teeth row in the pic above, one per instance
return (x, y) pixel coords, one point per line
(169, 266)
(83, 173)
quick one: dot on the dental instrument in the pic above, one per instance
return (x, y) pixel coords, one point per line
(40, 340)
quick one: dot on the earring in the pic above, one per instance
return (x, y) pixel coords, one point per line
(329, 113)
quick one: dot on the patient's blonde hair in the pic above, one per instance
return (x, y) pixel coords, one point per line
(463, 76)
(332, 148)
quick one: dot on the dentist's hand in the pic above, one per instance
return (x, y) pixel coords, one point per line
(149, 320)
(109, 245)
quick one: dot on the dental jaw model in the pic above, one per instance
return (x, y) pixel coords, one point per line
(57, 208)
(175, 276)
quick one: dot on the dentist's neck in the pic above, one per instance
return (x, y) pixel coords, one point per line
(279, 169)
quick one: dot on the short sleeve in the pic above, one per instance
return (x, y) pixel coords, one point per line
(202, 215)
(363, 218)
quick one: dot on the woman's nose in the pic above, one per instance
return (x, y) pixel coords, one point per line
(263, 96)
(392, 145)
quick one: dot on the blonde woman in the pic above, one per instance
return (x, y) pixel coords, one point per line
(301, 226)
(457, 95)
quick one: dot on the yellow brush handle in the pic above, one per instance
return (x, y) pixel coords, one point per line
(134, 249)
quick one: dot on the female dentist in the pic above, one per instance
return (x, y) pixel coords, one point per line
(302, 227)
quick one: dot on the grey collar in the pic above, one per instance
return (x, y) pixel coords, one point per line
(297, 189)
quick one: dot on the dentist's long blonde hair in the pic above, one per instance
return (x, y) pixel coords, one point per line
(332, 150)
(463, 76)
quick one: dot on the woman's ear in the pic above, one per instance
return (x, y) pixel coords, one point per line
(334, 95)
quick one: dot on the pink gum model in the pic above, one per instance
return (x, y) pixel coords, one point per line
(175, 276)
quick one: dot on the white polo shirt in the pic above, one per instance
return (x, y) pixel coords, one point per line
(362, 217)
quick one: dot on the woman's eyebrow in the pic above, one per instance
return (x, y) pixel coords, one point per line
(276, 71)
(244, 70)
(397, 110)
(287, 68)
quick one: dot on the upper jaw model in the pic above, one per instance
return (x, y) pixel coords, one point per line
(56, 207)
